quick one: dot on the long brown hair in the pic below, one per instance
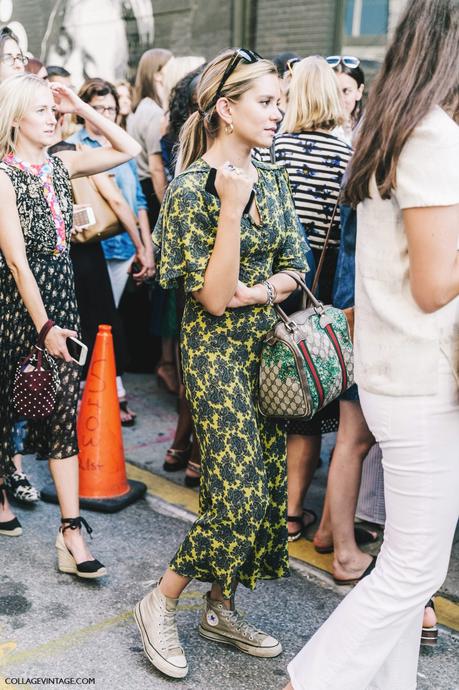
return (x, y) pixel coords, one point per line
(420, 70)
(151, 62)
(204, 124)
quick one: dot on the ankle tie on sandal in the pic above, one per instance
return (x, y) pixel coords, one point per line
(76, 523)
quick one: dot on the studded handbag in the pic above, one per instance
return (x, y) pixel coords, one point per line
(36, 381)
(306, 360)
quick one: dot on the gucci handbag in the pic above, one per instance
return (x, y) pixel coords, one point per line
(306, 360)
(36, 381)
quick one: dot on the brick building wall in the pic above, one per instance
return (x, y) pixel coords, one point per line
(306, 27)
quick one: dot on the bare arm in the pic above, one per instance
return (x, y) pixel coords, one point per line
(114, 197)
(432, 234)
(92, 161)
(13, 249)
(244, 296)
(158, 175)
(222, 273)
(145, 233)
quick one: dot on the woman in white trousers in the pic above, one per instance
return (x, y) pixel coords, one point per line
(405, 183)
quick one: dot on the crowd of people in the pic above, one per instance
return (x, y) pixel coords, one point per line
(230, 180)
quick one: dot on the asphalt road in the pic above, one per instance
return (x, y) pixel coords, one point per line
(53, 625)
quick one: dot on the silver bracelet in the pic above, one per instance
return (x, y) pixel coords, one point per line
(271, 293)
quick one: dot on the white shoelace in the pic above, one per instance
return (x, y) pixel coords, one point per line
(169, 634)
(240, 624)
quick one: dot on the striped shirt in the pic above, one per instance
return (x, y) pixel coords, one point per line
(315, 162)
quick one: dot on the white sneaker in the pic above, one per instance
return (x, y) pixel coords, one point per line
(155, 618)
(229, 627)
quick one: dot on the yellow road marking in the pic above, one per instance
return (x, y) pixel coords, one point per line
(70, 640)
(303, 550)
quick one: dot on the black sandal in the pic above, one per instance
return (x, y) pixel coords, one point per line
(355, 580)
(9, 528)
(299, 519)
(124, 408)
(429, 636)
(179, 459)
(88, 570)
(193, 482)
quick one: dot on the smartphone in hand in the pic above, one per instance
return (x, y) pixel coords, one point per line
(78, 351)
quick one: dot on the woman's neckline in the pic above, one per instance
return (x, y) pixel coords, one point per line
(12, 159)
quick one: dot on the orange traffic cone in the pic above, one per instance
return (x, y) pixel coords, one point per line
(103, 483)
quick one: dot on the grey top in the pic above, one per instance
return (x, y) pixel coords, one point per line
(144, 125)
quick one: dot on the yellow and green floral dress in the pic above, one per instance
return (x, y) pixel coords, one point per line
(241, 534)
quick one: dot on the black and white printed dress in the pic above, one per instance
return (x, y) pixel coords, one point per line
(54, 437)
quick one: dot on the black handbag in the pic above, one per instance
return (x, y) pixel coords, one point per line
(36, 381)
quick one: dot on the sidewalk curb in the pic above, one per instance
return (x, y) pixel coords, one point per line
(302, 551)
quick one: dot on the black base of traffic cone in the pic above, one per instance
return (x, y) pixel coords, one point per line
(101, 505)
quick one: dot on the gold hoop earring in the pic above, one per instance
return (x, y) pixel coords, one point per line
(229, 128)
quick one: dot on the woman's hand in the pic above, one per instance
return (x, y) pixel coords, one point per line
(55, 342)
(233, 186)
(66, 100)
(145, 259)
(245, 296)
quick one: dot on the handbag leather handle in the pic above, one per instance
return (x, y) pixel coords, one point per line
(40, 344)
(300, 282)
(317, 305)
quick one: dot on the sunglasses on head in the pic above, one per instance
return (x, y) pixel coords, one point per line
(241, 55)
(290, 64)
(347, 60)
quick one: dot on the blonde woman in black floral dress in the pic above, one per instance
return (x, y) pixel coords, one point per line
(227, 247)
(36, 283)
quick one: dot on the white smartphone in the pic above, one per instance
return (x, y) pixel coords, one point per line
(78, 351)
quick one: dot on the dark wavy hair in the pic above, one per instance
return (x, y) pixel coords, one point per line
(419, 71)
(182, 102)
(97, 87)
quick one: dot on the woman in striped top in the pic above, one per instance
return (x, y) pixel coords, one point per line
(315, 160)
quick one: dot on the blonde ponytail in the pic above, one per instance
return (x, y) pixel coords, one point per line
(192, 142)
(204, 125)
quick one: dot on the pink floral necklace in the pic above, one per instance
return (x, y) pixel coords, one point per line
(44, 171)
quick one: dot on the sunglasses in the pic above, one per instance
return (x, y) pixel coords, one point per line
(290, 64)
(241, 55)
(347, 60)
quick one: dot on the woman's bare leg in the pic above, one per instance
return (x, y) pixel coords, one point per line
(65, 476)
(303, 454)
(353, 441)
(172, 584)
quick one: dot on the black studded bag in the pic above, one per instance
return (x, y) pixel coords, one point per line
(36, 381)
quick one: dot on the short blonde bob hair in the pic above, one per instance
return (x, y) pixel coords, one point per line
(314, 97)
(17, 94)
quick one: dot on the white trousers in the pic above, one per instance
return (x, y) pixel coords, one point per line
(371, 641)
